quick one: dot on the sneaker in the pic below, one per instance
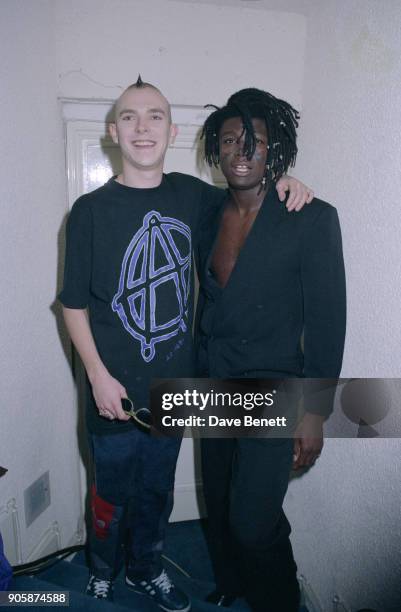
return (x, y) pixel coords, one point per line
(163, 592)
(99, 588)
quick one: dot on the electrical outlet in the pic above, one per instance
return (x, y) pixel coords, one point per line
(37, 498)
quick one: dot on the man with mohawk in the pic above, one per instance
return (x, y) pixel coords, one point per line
(128, 306)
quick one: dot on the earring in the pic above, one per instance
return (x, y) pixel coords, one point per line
(264, 179)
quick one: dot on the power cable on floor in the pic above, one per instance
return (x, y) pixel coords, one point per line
(44, 562)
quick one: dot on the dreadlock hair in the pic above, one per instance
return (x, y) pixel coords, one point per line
(281, 121)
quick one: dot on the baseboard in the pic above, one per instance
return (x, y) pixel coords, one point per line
(10, 532)
(188, 502)
(49, 542)
(308, 597)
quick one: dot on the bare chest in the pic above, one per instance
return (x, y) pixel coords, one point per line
(231, 238)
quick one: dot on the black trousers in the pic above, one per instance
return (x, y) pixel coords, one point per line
(245, 481)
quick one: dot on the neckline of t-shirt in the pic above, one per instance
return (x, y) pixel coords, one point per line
(116, 185)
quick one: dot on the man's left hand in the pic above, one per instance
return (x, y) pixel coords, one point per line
(300, 194)
(308, 440)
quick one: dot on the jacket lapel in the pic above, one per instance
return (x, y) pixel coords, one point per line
(256, 248)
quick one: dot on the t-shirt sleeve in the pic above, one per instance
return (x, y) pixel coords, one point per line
(78, 257)
(323, 282)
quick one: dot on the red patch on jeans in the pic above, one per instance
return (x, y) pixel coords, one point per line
(102, 514)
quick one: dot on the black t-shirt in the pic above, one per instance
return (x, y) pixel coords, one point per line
(129, 261)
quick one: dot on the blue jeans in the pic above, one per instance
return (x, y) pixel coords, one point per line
(131, 502)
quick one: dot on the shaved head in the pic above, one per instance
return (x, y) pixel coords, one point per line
(140, 86)
(142, 128)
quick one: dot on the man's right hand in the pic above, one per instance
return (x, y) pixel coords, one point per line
(108, 393)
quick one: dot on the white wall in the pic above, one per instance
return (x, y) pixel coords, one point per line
(346, 512)
(37, 394)
(81, 49)
(347, 85)
(350, 152)
(195, 53)
(345, 516)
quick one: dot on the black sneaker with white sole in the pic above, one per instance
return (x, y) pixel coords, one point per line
(99, 588)
(163, 592)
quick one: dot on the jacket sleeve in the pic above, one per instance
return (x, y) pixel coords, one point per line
(324, 301)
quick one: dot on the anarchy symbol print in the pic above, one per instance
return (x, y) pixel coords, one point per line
(154, 286)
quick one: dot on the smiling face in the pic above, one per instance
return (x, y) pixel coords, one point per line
(143, 128)
(242, 173)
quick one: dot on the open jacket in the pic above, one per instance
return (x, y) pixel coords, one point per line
(283, 310)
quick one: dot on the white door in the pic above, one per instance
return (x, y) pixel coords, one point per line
(92, 158)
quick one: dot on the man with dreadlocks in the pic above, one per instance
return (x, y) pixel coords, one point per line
(267, 279)
(128, 302)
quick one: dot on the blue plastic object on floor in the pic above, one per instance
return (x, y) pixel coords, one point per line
(6, 571)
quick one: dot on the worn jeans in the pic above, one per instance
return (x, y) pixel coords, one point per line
(131, 502)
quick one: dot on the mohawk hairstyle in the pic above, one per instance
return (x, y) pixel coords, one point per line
(139, 84)
(281, 121)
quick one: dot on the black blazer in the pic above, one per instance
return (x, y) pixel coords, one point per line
(283, 310)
